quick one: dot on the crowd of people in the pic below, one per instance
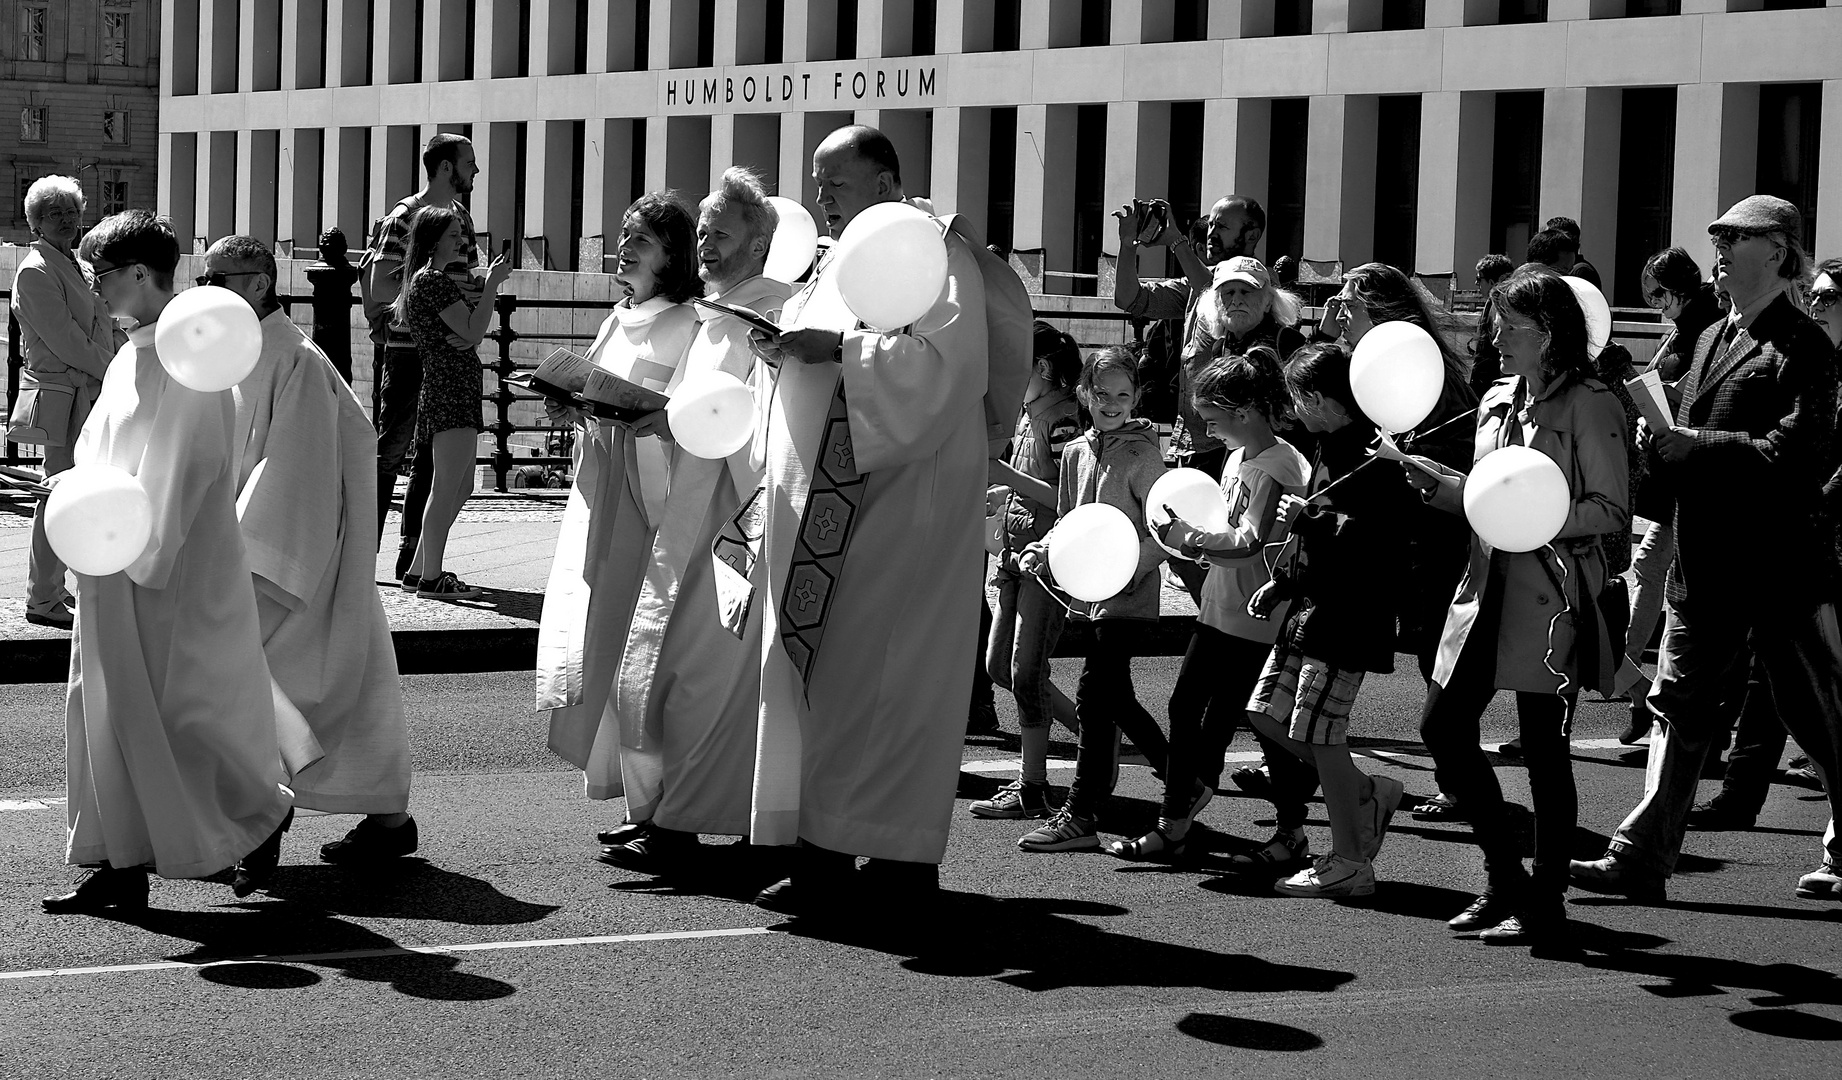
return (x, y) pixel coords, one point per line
(773, 645)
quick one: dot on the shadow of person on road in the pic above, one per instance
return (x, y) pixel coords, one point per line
(1033, 944)
(409, 888)
(290, 938)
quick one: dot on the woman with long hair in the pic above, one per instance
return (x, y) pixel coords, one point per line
(447, 329)
(615, 514)
(1529, 621)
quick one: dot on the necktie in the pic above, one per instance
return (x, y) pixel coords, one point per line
(836, 491)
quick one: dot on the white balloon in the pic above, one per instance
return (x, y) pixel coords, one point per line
(208, 339)
(98, 519)
(712, 414)
(1093, 552)
(1397, 373)
(795, 242)
(891, 265)
(1516, 498)
(1598, 313)
(1195, 496)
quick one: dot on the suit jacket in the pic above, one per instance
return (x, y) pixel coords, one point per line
(1763, 412)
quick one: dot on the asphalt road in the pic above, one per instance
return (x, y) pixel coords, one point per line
(503, 950)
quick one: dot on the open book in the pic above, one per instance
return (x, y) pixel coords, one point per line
(748, 315)
(575, 381)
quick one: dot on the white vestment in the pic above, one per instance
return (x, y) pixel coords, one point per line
(603, 550)
(307, 486)
(865, 758)
(172, 755)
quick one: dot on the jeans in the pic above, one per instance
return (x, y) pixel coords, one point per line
(44, 570)
(981, 682)
(399, 373)
(1449, 728)
(1105, 703)
(1702, 670)
(1023, 636)
(1650, 566)
(1210, 698)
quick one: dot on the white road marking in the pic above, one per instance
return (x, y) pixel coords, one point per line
(406, 950)
(30, 804)
(986, 766)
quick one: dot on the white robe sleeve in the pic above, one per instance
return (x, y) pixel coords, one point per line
(907, 392)
(188, 450)
(290, 509)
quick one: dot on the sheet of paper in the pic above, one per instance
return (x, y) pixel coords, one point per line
(564, 370)
(1652, 401)
(1387, 449)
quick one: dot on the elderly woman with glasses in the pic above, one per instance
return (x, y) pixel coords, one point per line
(68, 340)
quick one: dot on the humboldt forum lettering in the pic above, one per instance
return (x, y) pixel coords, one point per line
(822, 85)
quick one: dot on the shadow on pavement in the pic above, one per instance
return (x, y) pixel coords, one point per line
(403, 889)
(1247, 1034)
(266, 931)
(1031, 943)
(1748, 911)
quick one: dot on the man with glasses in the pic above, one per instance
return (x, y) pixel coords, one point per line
(450, 166)
(1748, 456)
(305, 490)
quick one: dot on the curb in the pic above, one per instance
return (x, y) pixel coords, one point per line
(470, 650)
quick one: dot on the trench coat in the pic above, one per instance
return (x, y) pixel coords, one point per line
(1551, 634)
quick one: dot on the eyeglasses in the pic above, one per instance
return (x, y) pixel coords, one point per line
(96, 278)
(1657, 298)
(218, 279)
(1824, 299)
(1729, 235)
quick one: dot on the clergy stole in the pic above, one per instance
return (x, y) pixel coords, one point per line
(824, 534)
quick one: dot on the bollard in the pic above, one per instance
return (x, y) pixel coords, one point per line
(502, 430)
(332, 278)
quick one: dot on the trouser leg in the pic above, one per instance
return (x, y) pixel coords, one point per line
(399, 375)
(1758, 743)
(1546, 725)
(1803, 664)
(44, 570)
(1450, 728)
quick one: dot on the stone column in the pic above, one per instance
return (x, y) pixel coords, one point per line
(258, 155)
(1829, 166)
(1340, 182)
(607, 186)
(1579, 166)
(178, 184)
(495, 149)
(1457, 140)
(547, 189)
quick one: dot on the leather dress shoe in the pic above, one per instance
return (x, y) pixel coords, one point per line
(368, 842)
(655, 851)
(1717, 816)
(1485, 912)
(258, 867)
(1613, 876)
(620, 834)
(104, 887)
(1639, 725)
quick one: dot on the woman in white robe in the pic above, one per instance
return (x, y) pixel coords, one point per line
(620, 499)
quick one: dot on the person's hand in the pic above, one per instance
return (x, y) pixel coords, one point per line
(1261, 604)
(498, 271)
(797, 346)
(1290, 507)
(1127, 216)
(1034, 559)
(561, 415)
(653, 423)
(1176, 533)
(1674, 445)
(1336, 318)
(1170, 235)
(995, 497)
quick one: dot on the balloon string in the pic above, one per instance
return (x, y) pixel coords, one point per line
(1373, 458)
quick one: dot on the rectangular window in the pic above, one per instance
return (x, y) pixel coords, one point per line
(114, 38)
(1285, 181)
(1397, 180)
(1515, 173)
(114, 191)
(1089, 196)
(1648, 9)
(1403, 15)
(1291, 18)
(33, 120)
(115, 127)
(32, 22)
(1522, 11)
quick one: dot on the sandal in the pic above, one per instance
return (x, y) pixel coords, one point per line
(1283, 852)
(1157, 845)
(1438, 808)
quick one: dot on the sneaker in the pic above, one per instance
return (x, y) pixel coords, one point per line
(1823, 883)
(1382, 804)
(1066, 831)
(1017, 799)
(1801, 773)
(412, 582)
(448, 587)
(1330, 877)
(1526, 928)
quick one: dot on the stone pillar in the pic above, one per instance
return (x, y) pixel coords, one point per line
(495, 41)
(444, 41)
(347, 32)
(298, 210)
(495, 149)
(553, 37)
(1128, 26)
(1137, 166)
(755, 142)
(1829, 166)
(1044, 216)
(907, 129)
(303, 53)
(1717, 158)
(547, 189)
(957, 26)
(794, 32)
(343, 159)
(258, 155)
(258, 43)
(1236, 147)
(1579, 166)
(1033, 30)
(1457, 139)
(961, 180)
(607, 186)
(216, 215)
(722, 151)
(178, 185)
(396, 39)
(1340, 182)
(178, 56)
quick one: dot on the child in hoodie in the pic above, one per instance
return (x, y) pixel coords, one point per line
(1238, 398)
(1115, 462)
(1353, 546)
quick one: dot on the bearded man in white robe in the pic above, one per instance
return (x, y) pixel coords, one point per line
(306, 499)
(869, 567)
(691, 685)
(173, 757)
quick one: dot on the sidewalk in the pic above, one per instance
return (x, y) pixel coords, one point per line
(501, 543)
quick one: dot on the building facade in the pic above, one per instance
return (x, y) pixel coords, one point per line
(1424, 133)
(79, 95)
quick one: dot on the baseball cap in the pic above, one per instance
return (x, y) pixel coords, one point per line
(1242, 268)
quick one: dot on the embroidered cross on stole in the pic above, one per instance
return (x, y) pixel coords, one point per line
(824, 533)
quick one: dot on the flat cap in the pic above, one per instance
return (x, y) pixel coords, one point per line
(1761, 214)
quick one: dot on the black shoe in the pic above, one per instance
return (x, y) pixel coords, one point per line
(1717, 816)
(1255, 781)
(258, 867)
(1485, 912)
(1639, 725)
(104, 887)
(823, 883)
(1511, 749)
(656, 851)
(370, 842)
(621, 833)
